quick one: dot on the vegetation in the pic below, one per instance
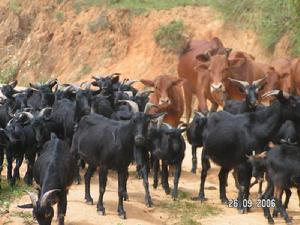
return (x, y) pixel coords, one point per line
(270, 19)
(60, 16)
(86, 68)
(172, 37)
(9, 73)
(187, 211)
(80, 5)
(15, 6)
(101, 23)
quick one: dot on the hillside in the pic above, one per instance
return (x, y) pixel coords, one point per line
(60, 39)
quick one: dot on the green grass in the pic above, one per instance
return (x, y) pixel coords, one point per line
(15, 6)
(9, 73)
(271, 20)
(8, 193)
(172, 37)
(187, 212)
(60, 16)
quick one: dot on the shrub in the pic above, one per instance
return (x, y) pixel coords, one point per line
(9, 73)
(171, 37)
(15, 6)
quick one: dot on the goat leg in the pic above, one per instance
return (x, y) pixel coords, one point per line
(155, 172)
(277, 196)
(148, 199)
(176, 180)
(1, 161)
(102, 186)
(165, 177)
(87, 184)
(122, 179)
(205, 167)
(194, 159)
(62, 207)
(16, 174)
(223, 175)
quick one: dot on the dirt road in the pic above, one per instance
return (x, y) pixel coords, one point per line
(79, 213)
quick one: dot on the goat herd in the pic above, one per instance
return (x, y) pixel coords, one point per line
(59, 128)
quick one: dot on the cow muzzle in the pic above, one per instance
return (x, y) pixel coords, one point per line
(217, 87)
(164, 101)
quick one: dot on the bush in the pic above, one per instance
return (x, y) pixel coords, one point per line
(270, 19)
(8, 74)
(15, 6)
(101, 23)
(171, 37)
(60, 16)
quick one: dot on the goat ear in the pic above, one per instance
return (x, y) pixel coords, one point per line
(115, 79)
(13, 84)
(149, 83)
(52, 83)
(25, 206)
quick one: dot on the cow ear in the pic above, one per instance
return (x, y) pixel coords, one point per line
(227, 51)
(203, 57)
(149, 83)
(13, 84)
(178, 82)
(201, 67)
(236, 62)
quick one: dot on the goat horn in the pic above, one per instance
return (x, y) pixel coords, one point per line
(95, 77)
(130, 82)
(200, 114)
(168, 126)
(259, 82)
(160, 120)
(141, 92)
(134, 106)
(276, 92)
(263, 154)
(44, 199)
(33, 198)
(114, 74)
(148, 106)
(243, 83)
(182, 125)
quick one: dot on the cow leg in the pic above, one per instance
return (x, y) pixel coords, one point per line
(87, 184)
(194, 159)
(165, 177)
(102, 186)
(28, 178)
(223, 175)
(148, 199)
(176, 180)
(16, 173)
(188, 101)
(277, 196)
(205, 167)
(244, 174)
(122, 179)
(155, 172)
(62, 207)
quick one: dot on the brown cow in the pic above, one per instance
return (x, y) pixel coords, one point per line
(295, 78)
(186, 70)
(283, 66)
(167, 96)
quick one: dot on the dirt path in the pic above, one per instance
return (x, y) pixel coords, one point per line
(81, 214)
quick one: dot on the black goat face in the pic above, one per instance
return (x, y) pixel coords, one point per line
(251, 96)
(41, 131)
(43, 215)
(106, 83)
(140, 121)
(8, 89)
(83, 102)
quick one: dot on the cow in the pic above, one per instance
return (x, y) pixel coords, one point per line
(283, 67)
(167, 97)
(186, 70)
(296, 75)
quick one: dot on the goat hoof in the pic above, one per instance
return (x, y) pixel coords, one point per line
(167, 190)
(199, 198)
(148, 202)
(193, 170)
(270, 221)
(122, 215)
(89, 201)
(101, 212)
(224, 201)
(242, 211)
(125, 197)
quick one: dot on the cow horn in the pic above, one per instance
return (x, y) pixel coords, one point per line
(44, 199)
(33, 198)
(130, 82)
(276, 92)
(259, 82)
(148, 106)
(240, 82)
(134, 106)
(141, 92)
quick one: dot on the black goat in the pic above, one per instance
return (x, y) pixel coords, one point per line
(283, 172)
(167, 145)
(112, 144)
(54, 171)
(194, 133)
(228, 138)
